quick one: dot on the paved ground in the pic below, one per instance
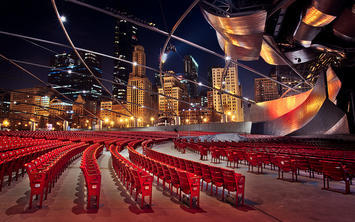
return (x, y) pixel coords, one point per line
(67, 203)
(283, 200)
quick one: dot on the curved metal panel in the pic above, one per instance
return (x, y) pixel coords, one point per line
(320, 14)
(273, 109)
(268, 54)
(237, 52)
(334, 84)
(344, 25)
(298, 117)
(239, 37)
(308, 110)
(240, 25)
(316, 18)
(328, 120)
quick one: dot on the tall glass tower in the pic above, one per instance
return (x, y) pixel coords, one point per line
(125, 39)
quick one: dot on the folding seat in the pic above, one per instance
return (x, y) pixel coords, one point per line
(233, 182)
(286, 164)
(37, 182)
(215, 155)
(206, 176)
(146, 182)
(167, 177)
(160, 173)
(232, 157)
(203, 153)
(254, 160)
(197, 168)
(3, 165)
(189, 166)
(335, 171)
(189, 184)
(176, 162)
(217, 179)
(175, 182)
(181, 164)
(315, 165)
(301, 163)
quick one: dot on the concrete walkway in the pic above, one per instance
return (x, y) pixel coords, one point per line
(283, 200)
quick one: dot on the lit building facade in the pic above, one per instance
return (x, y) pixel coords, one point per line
(139, 99)
(30, 100)
(125, 38)
(265, 89)
(191, 73)
(60, 108)
(72, 79)
(173, 88)
(232, 106)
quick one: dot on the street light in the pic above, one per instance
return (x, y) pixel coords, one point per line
(5, 123)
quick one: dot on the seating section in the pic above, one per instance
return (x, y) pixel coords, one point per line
(44, 155)
(92, 174)
(12, 142)
(181, 179)
(44, 171)
(13, 160)
(132, 177)
(288, 156)
(217, 177)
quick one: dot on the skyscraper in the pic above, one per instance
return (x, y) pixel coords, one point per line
(173, 88)
(265, 89)
(125, 38)
(191, 73)
(71, 78)
(232, 106)
(139, 90)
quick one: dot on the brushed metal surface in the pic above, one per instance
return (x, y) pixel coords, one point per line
(316, 18)
(286, 115)
(268, 54)
(239, 37)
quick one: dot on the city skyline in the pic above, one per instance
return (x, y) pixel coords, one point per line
(174, 61)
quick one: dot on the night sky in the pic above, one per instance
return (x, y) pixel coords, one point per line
(92, 30)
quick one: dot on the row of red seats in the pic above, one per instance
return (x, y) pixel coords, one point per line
(332, 168)
(12, 143)
(182, 180)
(218, 177)
(92, 173)
(13, 161)
(44, 171)
(131, 175)
(277, 148)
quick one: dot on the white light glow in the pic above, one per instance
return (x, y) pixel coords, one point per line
(164, 57)
(63, 18)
